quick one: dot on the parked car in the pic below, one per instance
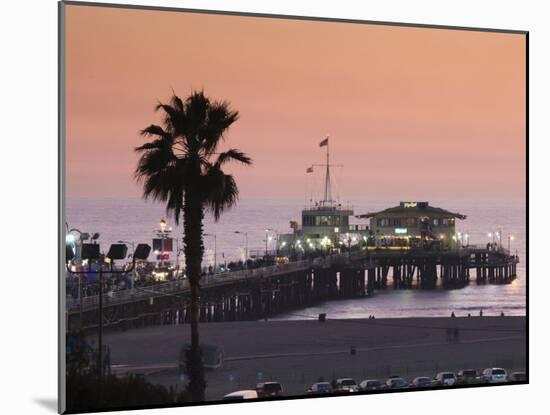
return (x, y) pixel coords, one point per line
(320, 388)
(396, 382)
(421, 382)
(240, 395)
(370, 385)
(494, 375)
(269, 389)
(467, 377)
(517, 377)
(445, 379)
(346, 385)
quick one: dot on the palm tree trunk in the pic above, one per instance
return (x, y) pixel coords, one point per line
(193, 217)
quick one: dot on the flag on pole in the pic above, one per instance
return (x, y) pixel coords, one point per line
(309, 169)
(324, 142)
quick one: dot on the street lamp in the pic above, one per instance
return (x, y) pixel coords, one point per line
(74, 242)
(213, 235)
(510, 239)
(349, 241)
(266, 231)
(246, 244)
(269, 239)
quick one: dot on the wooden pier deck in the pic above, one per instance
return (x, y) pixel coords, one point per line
(253, 294)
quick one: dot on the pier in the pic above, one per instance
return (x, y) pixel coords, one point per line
(254, 294)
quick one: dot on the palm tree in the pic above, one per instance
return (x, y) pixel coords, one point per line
(182, 167)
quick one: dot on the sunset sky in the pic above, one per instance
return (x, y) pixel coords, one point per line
(413, 113)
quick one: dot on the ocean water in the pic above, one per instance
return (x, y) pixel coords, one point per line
(133, 219)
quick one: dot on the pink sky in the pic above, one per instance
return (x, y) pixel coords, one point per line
(412, 113)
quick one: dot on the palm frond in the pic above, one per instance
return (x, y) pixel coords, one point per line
(177, 102)
(196, 110)
(233, 154)
(220, 191)
(158, 144)
(155, 130)
(220, 118)
(174, 120)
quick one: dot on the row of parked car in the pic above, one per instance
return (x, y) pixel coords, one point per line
(462, 377)
(347, 385)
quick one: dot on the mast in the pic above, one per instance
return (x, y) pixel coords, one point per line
(328, 189)
(328, 193)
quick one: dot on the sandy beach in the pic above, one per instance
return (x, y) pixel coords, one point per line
(299, 353)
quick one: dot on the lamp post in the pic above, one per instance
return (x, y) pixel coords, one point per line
(266, 232)
(246, 244)
(510, 239)
(213, 235)
(442, 240)
(78, 241)
(295, 245)
(71, 239)
(283, 244)
(268, 239)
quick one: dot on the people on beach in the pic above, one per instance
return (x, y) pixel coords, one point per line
(481, 313)
(453, 314)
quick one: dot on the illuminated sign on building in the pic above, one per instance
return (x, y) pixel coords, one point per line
(400, 230)
(409, 204)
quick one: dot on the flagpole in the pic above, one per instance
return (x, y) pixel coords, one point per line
(327, 179)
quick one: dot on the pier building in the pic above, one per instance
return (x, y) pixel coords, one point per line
(414, 220)
(325, 224)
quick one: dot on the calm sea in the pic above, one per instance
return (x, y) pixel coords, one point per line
(135, 220)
